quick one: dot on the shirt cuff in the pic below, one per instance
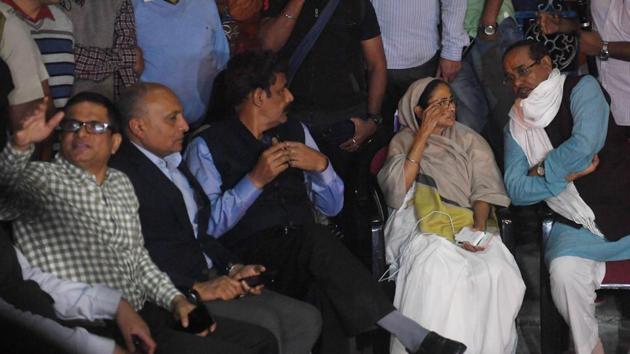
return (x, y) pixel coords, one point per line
(452, 53)
(323, 178)
(107, 301)
(247, 191)
(170, 295)
(16, 155)
(554, 179)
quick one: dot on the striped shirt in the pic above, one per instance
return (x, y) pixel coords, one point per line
(611, 18)
(410, 30)
(53, 35)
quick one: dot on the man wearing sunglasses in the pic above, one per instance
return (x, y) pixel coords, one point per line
(78, 219)
(563, 147)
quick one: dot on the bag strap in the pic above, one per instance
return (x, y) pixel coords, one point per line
(309, 40)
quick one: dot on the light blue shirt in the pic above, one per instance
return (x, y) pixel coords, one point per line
(325, 188)
(72, 301)
(184, 48)
(410, 30)
(590, 124)
(168, 165)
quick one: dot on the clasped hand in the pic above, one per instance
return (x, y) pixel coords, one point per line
(282, 155)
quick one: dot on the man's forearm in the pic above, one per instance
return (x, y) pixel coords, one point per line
(490, 12)
(53, 335)
(377, 74)
(619, 50)
(454, 37)
(275, 32)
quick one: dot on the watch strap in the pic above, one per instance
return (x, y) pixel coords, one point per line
(193, 296)
(603, 54)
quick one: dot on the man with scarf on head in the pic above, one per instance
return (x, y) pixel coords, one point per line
(563, 146)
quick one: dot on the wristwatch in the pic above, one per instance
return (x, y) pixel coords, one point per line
(193, 296)
(540, 169)
(603, 54)
(488, 30)
(375, 117)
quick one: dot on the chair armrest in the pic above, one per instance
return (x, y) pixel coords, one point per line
(377, 216)
(506, 227)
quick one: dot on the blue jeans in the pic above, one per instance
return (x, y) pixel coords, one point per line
(478, 86)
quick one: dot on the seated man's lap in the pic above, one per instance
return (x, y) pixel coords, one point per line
(283, 316)
(231, 336)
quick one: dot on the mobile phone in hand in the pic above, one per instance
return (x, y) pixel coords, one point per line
(260, 279)
(199, 320)
(141, 348)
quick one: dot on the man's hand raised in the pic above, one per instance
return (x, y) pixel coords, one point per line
(35, 128)
(271, 163)
(307, 159)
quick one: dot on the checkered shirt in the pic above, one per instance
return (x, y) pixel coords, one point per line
(96, 64)
(66, 224)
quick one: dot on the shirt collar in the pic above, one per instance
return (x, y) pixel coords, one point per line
(170, 161)
(44, 12)
(78, 172)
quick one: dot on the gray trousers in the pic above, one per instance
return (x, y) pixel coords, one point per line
(294, 323)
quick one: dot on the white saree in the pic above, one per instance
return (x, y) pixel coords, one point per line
(469, 297)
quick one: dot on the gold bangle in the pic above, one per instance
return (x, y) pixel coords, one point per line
(412, 161)
(290, 17)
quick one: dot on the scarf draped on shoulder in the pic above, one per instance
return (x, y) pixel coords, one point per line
(459, 163)
(528, 119)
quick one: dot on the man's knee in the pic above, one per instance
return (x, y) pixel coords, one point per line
(310, 319)
(574, 274)
(563, 272)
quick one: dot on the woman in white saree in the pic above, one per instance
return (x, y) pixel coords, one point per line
(441, 176)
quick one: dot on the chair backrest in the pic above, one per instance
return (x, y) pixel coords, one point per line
(378, 160)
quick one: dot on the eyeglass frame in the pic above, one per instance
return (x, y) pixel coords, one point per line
(87, 124)
(521, 71)
(450, 101)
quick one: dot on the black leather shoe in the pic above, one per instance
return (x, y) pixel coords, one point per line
(436, 344)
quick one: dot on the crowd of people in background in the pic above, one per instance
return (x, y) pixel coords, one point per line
(163, 161)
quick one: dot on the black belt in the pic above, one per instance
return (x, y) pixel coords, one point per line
(561, 219)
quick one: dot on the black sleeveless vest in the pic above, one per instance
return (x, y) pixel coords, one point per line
(235, 151)
(607, 189)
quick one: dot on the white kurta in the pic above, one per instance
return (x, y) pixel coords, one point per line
(469, 297)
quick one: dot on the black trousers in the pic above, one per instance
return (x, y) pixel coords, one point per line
(230, 337)
(309, 260)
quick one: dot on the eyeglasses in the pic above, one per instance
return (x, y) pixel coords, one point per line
(93, 127)
(443, 102)
(521, 72)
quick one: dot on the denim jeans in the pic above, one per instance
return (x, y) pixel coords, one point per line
(481, 97)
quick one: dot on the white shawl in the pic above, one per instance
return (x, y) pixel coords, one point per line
(528, 119)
